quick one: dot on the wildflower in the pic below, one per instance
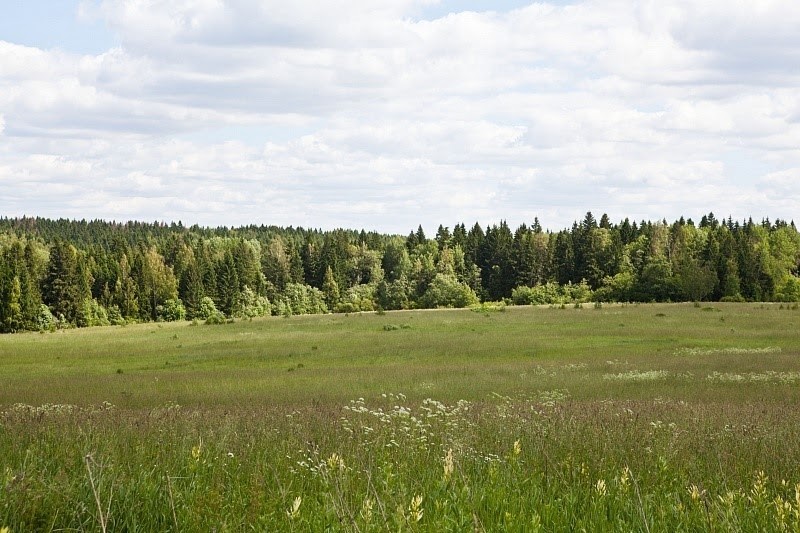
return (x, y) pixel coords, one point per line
(728, 498)
(625, 479)
(783, 510)
(759, 490)
(294, 511)
(448, 464)
(366, 510)
(695, 493)
(196, 450)
(5, 530)
(517, 448)
(600, 487)
(415, 509)
(335, 462)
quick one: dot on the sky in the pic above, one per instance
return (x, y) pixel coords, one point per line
(388, 114)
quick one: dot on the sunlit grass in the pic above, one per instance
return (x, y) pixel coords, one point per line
(611, 419)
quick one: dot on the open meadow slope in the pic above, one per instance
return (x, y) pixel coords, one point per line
(651, 417)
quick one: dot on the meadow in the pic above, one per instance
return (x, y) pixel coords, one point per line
(651, 417)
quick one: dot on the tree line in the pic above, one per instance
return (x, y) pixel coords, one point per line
(66, 273)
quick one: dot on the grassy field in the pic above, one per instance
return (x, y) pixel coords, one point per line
(623, 418)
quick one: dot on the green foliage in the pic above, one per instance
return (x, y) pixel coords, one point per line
(330, 289)
(252, 305)
(394, 295)
(617, 288)
(357, 298)
(789, 290)
(552, 293)
(91, 313)
(207, 309)
(65, 287)
(135, 268)
(299, 299)
(215, 319)
(171, 310)
(447, 291)
(45, 321)
(489, 307)
(548, 293)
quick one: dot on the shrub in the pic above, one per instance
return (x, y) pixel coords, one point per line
(216, 318)
(45, 320)
(551, 293)
(489, 307)
(357, 298)
(171, 310)
(299, 299)
(789, 290)
(446, 291)
(251, 305)
(206, 309)
(115, 316)
(91, 313)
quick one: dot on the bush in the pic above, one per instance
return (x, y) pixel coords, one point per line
(394, 294)
(206, 309)
(91, 313)
(171, 311)
(251, 305)
(357, 298)
(789, 290)
(45, 320)
(299, 299)
(216, 318)
(489, 307)
(551, 294)
(618, 288)
(115, 316)
(446, 291)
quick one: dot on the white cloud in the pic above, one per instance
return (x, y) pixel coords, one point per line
(357, 114)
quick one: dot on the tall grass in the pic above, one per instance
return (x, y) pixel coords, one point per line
(506, 422)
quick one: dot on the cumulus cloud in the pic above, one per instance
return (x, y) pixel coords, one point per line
(365, 114)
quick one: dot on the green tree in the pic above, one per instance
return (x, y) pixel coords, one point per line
(125, 290)
(156, 283)
(395, 261)
(447, 291)
(227, 285)
(330, 289)
(64, 288)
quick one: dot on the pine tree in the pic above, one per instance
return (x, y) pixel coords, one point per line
(61, 289)
(227, 285)
(330, 289)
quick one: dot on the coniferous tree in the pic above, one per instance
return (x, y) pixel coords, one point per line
(227, 285)
(62, 289)
(330, 289)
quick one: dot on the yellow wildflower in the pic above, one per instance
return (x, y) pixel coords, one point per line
(196, 450)
(415, 509)
(625, 479)
(294, 510)
(517, 448)
(335, 462)
(448, 464)
(696, 493)
(366, 510)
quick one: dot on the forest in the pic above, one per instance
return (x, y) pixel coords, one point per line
(67, 273)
